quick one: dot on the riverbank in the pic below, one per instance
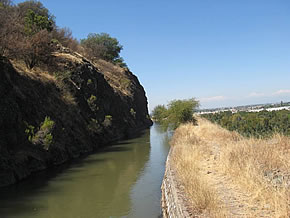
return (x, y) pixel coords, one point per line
(222, 174)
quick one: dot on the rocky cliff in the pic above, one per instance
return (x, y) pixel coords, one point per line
(73, 107)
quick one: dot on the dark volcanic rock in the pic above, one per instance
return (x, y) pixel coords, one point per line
(88, 111)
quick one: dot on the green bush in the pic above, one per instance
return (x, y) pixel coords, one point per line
(103, 46)
(92, 103)
(107, 121)
(89, 82)
(257, 124)
(159, 113)
(120, 61)
(133, 112)
(44, 135)
(35, 22)
(94, 126)
(47, 124)
(47, 140)
(176, 113)
(29, 131)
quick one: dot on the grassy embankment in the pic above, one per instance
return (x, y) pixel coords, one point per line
(224, 174)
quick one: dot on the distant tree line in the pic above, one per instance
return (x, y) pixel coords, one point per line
(257, 124)
(28, 32)
(176, 113)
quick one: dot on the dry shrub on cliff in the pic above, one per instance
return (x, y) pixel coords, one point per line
(35, 49)
(257, 167)
(65, 37)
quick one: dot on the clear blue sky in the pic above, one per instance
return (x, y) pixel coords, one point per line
(223, 52)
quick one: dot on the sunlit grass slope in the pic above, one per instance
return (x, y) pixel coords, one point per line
(224, 174)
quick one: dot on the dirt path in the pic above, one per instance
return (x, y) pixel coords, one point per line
(236, 201)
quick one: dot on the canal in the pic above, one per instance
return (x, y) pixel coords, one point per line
(123, 180)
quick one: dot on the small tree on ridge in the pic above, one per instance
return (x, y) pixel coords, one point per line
(102, 46)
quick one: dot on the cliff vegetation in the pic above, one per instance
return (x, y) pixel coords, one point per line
(59, 98)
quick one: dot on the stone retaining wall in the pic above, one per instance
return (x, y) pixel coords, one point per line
(172, 201)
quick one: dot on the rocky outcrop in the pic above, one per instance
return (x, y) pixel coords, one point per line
(86, 110)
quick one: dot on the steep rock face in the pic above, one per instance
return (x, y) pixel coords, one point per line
(86, 109)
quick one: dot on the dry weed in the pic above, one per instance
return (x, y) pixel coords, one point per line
(261, 167)
(186, 157)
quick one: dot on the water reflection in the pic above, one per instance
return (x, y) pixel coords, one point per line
(123, 180)
(146, 193)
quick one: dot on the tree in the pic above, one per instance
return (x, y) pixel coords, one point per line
(26, 32)
(181, 111)
(35, 23)
(9, 25)
(159, 113)
(38, 9)
(35, 17)
(102, 46)
(34, 46)
(176, 113)
(35, 49)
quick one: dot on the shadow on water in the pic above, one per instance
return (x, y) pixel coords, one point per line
(16, 196)
(104, 184)
(41, 179)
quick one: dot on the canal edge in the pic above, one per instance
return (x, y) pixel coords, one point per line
(173, 202)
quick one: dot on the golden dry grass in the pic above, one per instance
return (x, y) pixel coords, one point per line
(206, 155)
(44, 76)
(118, 77)
(187, 155)
(36, 73)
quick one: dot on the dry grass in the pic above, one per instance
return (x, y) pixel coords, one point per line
(118, 77)
(36, 73)
(44, 76)
(187, 155)
(73, 57)
(260, 168)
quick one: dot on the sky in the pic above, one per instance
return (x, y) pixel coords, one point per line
(221, 52)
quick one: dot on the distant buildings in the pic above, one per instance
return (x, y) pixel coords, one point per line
(248, 108)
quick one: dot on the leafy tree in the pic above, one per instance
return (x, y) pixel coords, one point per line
(180, 111)
(120, 62)
(38, 9)
(159, 113)
(25, 31)
(35, 23)
(176, 113)
(34, 45)
(102, 46)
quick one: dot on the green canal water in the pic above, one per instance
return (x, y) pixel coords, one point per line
(121, 181)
